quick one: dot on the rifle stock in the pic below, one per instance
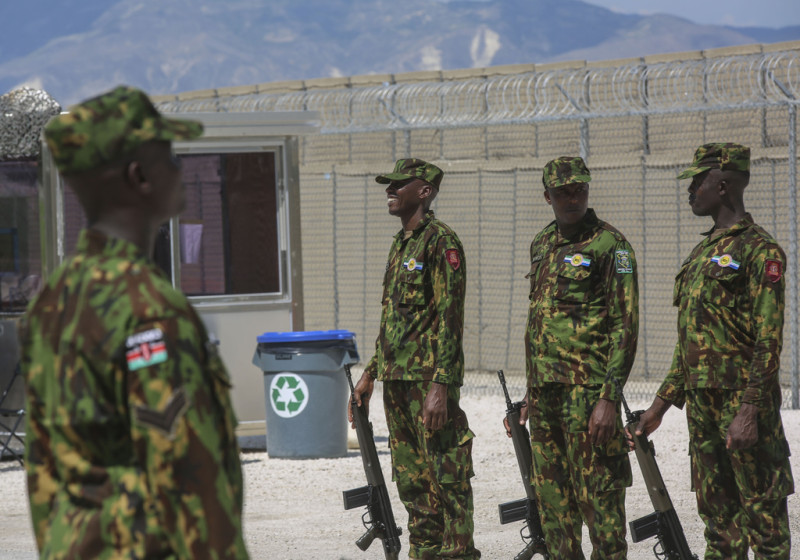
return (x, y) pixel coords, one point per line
(525, 508)
(663, 523)
(379, 519)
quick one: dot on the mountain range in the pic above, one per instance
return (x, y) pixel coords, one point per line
(76, 48)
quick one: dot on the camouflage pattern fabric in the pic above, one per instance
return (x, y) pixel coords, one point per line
(730, 298)
(582, 331)
(413, 168)
(730, 316)
(432, 471)
(583, 320)
(422, 320)
(420, 342)
(741, 495)
(720, 155)
(574, 480)
(565, 171)
(130, 443)
(109, 126)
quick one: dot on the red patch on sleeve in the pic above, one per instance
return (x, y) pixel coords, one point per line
(453, 258)
(774, 270)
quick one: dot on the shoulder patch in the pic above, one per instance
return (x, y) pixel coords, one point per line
(453, 257)
(144, 349)
(773, 269)
(623, 261)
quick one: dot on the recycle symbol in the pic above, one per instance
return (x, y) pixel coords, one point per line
(288, 394)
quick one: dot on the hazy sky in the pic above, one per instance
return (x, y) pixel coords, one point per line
(741, 13)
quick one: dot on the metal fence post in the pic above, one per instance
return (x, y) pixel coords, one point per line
(792, 268)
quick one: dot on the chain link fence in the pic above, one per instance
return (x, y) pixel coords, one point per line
(636, 123)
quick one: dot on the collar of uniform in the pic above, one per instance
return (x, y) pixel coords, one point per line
(94, 242)
(589, 223)
(736, 228)
(426, 219)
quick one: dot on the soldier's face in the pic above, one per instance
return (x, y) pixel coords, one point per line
(404, 197)
(569, 202)
(704, 196)
(163, 170)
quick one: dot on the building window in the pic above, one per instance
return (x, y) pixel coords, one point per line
(20, 256)
(228, 233)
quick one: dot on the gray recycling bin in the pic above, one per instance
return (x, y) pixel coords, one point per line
(306, 391)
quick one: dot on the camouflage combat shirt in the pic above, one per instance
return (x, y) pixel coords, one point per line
(422, 319)
(729, 295)
(583, 320)
(130, 444)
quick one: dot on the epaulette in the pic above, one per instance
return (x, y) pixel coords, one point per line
(612, 230)
(764, 234)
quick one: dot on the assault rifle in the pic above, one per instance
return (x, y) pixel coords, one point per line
(663, 523)
(525, 508)
(378, 519)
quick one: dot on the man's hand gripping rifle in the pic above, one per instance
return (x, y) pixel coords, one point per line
(663, 523)
(525, 508)
(378, 519)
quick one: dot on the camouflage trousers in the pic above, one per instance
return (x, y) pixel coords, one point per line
(741, 495)
(577, 482)
(432, 471)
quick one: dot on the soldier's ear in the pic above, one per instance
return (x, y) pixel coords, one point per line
(547, 197)
(425, 191)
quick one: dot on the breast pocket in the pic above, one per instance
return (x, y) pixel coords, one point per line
(412, 290)
(722, 284)
(573, 284)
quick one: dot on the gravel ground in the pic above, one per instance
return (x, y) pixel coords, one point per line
(293, 508)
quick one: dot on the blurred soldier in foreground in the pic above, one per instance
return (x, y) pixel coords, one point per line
(130, 444)
(581, 336)
(420, 359)
(729, 295)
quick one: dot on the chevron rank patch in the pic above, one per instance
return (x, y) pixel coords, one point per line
(144, 349)
(166, 420)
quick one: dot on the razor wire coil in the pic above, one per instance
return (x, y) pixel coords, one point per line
(23, 114)
(723, 83)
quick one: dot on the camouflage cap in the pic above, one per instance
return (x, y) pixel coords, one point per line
(719, 155)
(565, 171)
(110, 126)
(411, 168)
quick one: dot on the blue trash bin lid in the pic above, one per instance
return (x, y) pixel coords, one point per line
(294, 337)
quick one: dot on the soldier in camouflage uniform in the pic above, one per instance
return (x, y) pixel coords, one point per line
(730, 299)
(420, 360)
(130, 444)
(581, 336)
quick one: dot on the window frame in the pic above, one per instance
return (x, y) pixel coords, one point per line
(278, 148)
(276, 131)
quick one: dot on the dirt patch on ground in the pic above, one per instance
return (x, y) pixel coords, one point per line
(294, 508)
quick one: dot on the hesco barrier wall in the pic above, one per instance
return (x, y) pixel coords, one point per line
(635, 121)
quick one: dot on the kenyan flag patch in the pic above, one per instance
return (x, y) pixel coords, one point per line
(144, 349)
